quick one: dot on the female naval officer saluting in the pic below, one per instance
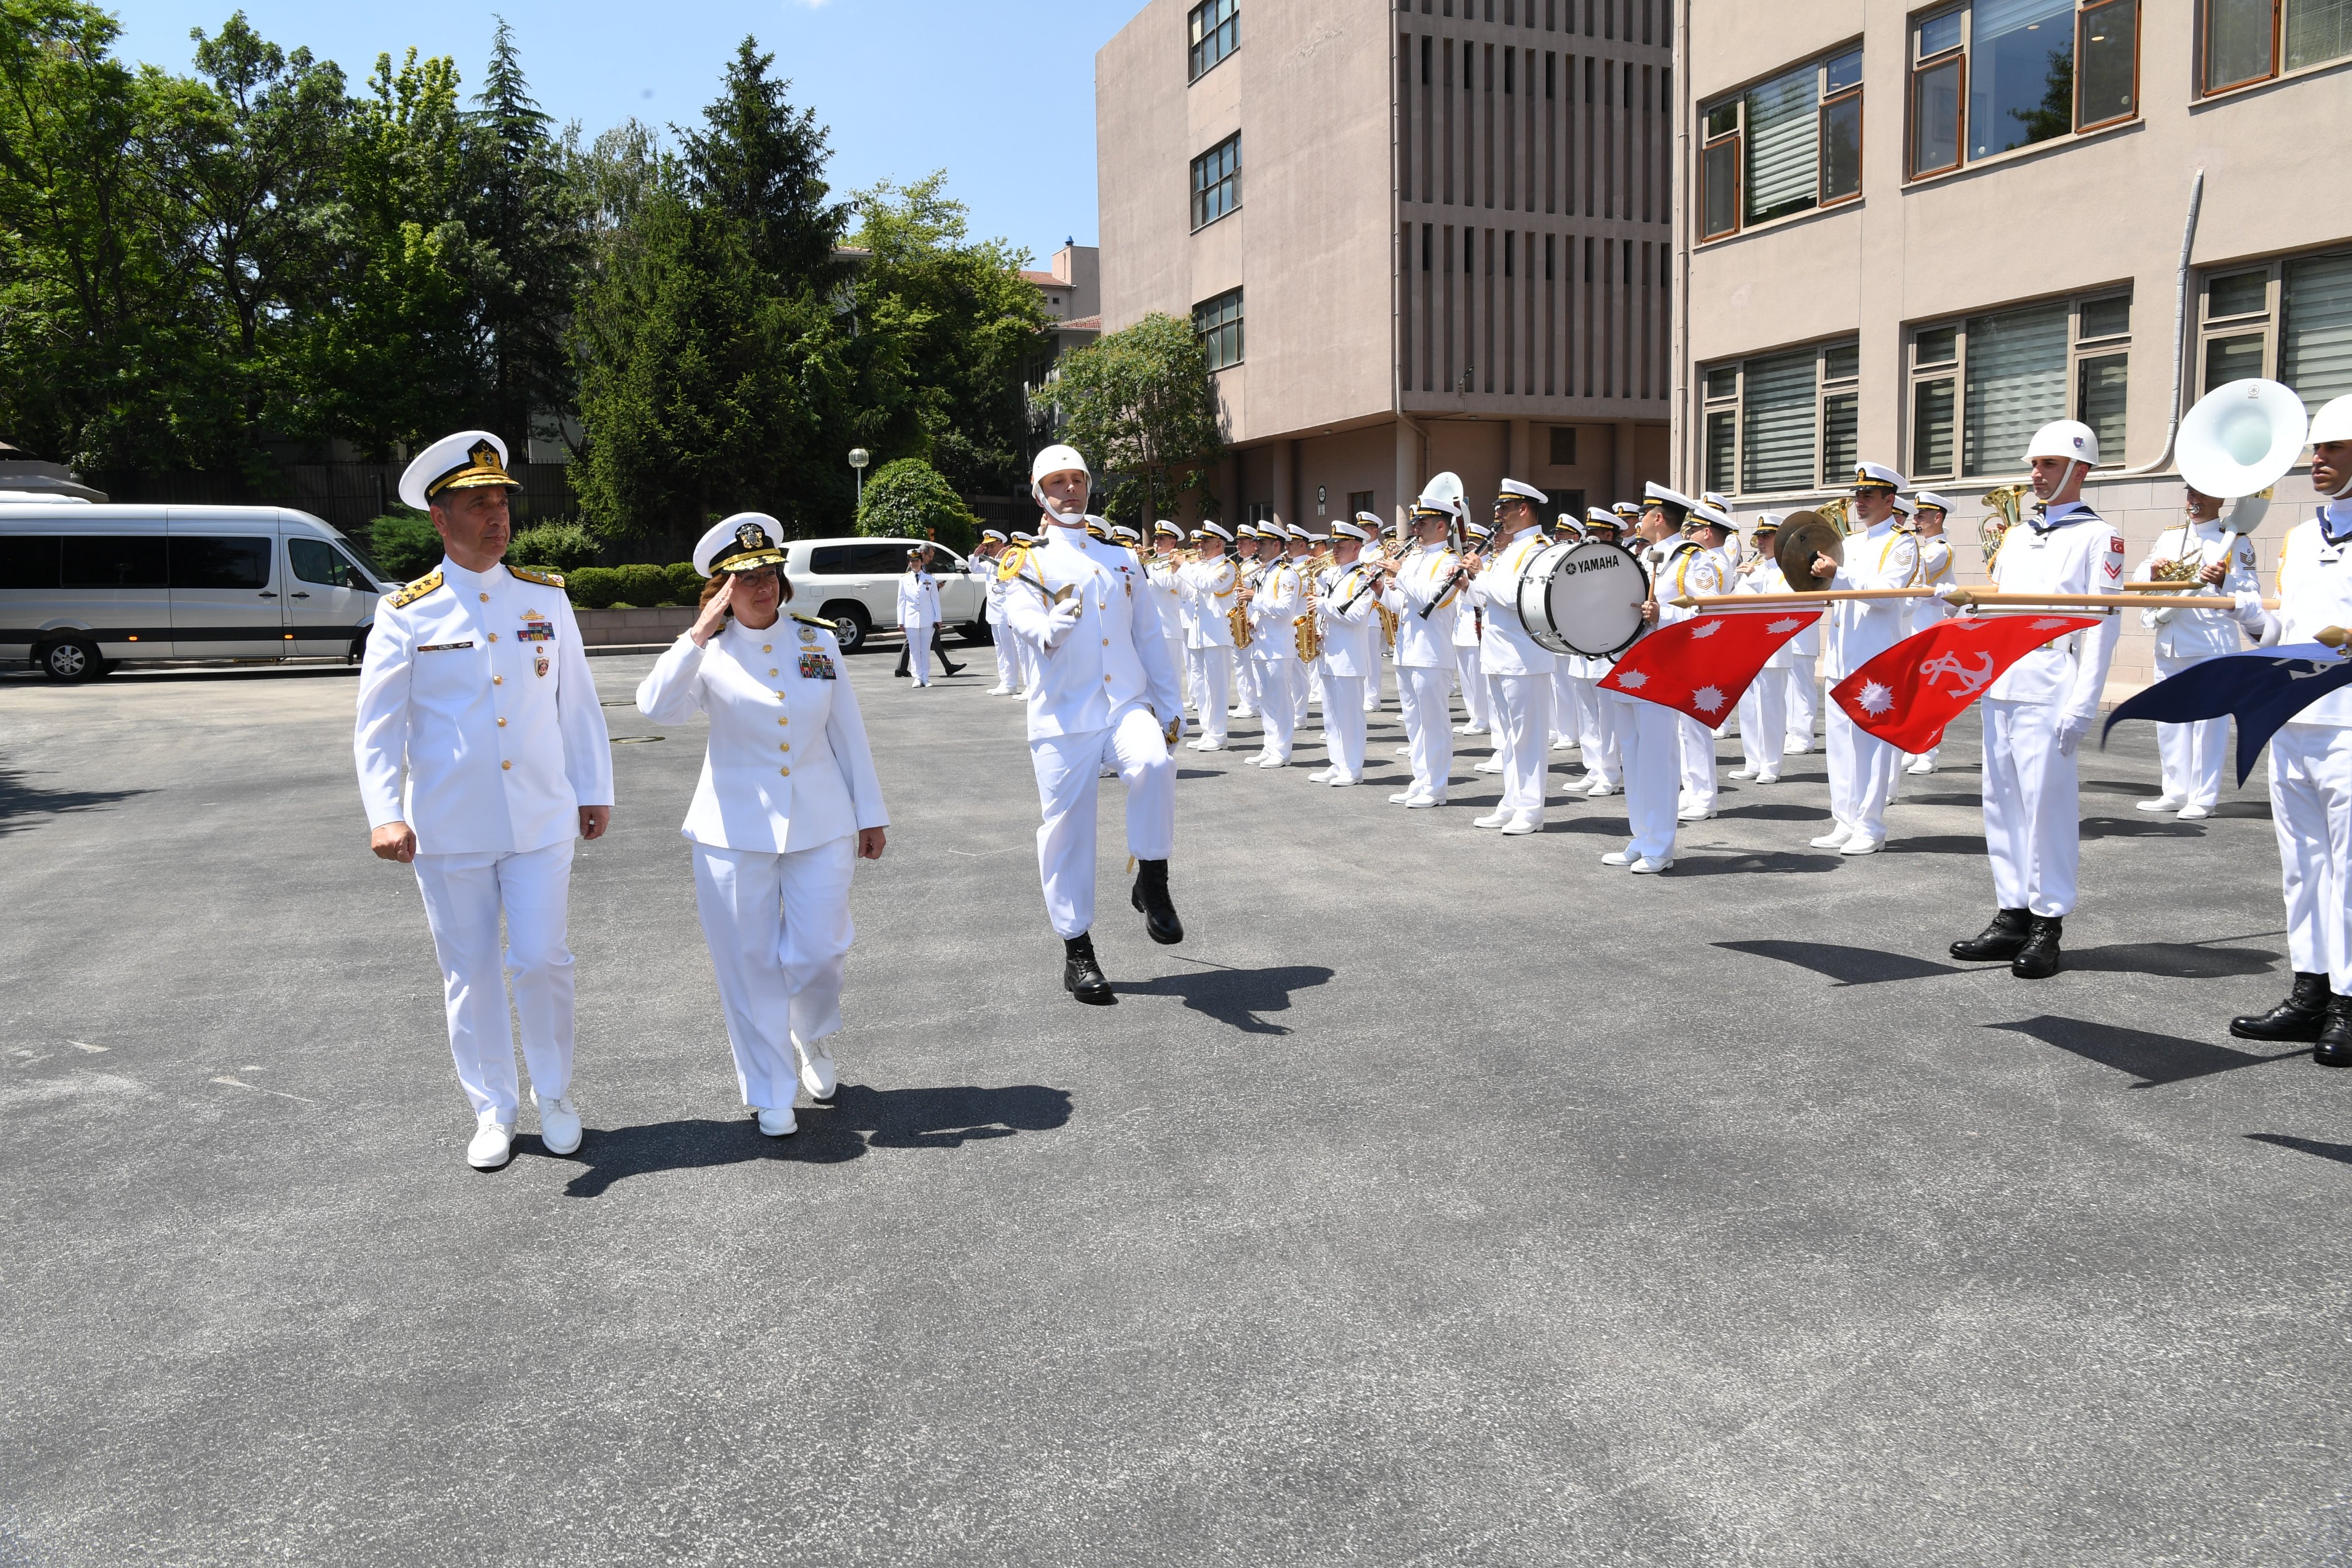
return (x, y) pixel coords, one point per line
(787, 804)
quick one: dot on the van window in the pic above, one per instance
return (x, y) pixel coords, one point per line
(29, 561)
(114, 560)
(219, 563)
(316, 560)
(831, 560)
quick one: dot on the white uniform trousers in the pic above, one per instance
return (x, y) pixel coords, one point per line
(1428, 728)
(2193, 753)
(1068, 769)
(918, 652)
(1522, 720)
(1310, 695)
(1697, 764)
(2032, 808)
(1194, 681)
(1764, 721)
(1372, 691)
(1217, 686)
(1861, 777)
(1277, 704)
(1569, 699)
(1648, 745)
(1602, 759)
(464, 894)
(778, 928)
(1343, 723)
(1245, 699)
(1180, 659)
(1007, 648)
(1804, 701)
(2311, 806)
(1477, 703)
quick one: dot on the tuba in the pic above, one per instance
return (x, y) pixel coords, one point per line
(2238, 440)
(2003, 510)
(1836, 513)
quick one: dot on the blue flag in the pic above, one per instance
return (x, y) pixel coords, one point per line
(2262, 689)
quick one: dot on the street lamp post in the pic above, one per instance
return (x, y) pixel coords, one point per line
(858, 459)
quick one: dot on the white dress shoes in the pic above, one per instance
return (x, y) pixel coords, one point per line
(1602, 787)
(1489, 765)
(1522, 824)
(1646, 866)
(819, 1076)
(1923, 766)
(1768, 778)
(1619, 857)
(1492, 820)
(558, 1122)
(1274, 762)
(1860, 844)
(1401, 798)
(1833, 838)
(1693, 813)
(2195, 813)
(492, 1146)
(1321, 776)
(1472, 729)
(1341, 780)
(2161, 803)
(779, 1124)
(1420, 802)
(1562, 743)
(1743, 773)
(1204, 744)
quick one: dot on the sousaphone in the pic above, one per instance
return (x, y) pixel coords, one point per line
(2237, 442)
(1803, 535)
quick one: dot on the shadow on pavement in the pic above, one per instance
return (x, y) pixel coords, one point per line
(857, 1119)
(2340, 1153)
(1234, 996)
(2154, 1059)
(20, 799)
(1697, 863)
(1934, 844)
(1846, 966)
(2139, 828)
(2180, 960)
(1775, 811)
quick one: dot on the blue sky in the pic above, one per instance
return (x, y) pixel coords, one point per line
(1001, 96)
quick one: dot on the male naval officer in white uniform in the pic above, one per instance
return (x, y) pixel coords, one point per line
(482, 754)
(1209, 587)
(1423, 593)
(1519, 671)
(2215, 561)
(1103, 695)
(1856, 631)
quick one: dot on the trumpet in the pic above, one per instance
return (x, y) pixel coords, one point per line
(2004, 510)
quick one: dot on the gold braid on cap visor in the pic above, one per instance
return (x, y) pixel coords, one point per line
(482, 468)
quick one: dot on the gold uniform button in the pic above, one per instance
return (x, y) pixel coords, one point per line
(506, 764)
(782, 718)
(772, 671)
(485, 598)
(1106, 680)
(785, 771)
(1106, 641)
(498, 680)
(494, 636)
(783, 746)
(503, 723)
(767, 648)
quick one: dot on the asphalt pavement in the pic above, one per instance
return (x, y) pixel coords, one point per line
(1444, 1199)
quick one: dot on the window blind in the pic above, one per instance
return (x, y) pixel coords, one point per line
(2316, 342)
(2016, 384)
(2317, 30)
(1778, 416)
(1783, 144)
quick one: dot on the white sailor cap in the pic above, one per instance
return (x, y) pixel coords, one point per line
(469, 460)
(1163, 527)
(997, 535)
(1868, 474)
(744, 542)
(1517, 490)
(1568, 520)
(1296, 531)
(1218, 530)
(1600, 515)
(1371, 520)
(1908, 508)
(1353, 530)
(1929, 499)
(1768, 523)
(1629, 510)
(1674, 501)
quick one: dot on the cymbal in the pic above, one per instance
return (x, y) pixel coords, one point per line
(1803, 535)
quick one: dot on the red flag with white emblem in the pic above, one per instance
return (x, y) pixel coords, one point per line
(1703, 665)
(1907, 695)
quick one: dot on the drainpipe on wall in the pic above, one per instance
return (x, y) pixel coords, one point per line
(2179, 331)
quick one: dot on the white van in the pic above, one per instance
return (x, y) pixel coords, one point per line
(83, 588)
(854, 583)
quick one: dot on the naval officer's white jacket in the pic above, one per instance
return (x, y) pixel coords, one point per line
(1424, 582)
(919, 601)
(1856, 631)
(1506, 649)
(478, 723)
(1115, 655)
(787, 768)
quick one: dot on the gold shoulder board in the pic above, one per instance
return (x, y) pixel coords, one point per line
(551, 578)
(416, 591)
(821, 626)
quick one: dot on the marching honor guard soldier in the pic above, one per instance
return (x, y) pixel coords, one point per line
(1519, 671)
(2200, 554)
(1649, 735)
(787, 805)
(1469, 634)
(1861, 766)
(1346, 601)
(2038, 712)
(1105, 694)
(1210, 585)
(1423, 593)
(482, 753)
(1764, 705)
(1277, 600)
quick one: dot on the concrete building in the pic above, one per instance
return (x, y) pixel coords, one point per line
(1414, 234)
(1072, 292)
(1914, 234)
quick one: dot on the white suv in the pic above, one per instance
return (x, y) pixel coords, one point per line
(854, 583)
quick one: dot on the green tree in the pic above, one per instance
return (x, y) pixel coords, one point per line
(1141, 405)
(910, 499)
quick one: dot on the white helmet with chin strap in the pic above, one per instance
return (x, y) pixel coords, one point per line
(2067, 438)
(2333, 422)
(1058, 459)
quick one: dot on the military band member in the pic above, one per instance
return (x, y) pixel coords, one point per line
(982, 568)
(1312, 550)
(1569, 705)
(1277, 599)
(1159, 575)
(1469, 636)
(1518, 670)
(1105, 693)
(1649, 735)
(1603, 769)
(482, 755)
(2204, 556)
(1764, 705)
(788, 803)
(1346, 603)
(2038, 712)
(1702, 571)
(1210, 586)
(1425, 593)
(1246, 562)
(1930, 512)
(1861, 766)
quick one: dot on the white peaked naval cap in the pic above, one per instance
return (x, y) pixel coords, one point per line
(1600, 515)
(1930, 498)
(1218, 530)
(2069, 438)
(469, 460)
(744, 542)
(1877, 473)
(1353, 530)
(1519, 490)
(1655, 492)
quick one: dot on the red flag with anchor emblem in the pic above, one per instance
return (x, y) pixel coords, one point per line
(1907, 695)
(1703, 665)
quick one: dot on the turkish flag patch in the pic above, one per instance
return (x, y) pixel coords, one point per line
(1704, 665)
(1906, 696)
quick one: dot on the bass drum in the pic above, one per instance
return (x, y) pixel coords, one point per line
(1584, 598)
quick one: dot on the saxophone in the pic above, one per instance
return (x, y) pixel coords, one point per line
(2003, 510)
(1237, 618)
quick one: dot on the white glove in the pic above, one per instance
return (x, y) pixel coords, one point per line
(1061, 618)
(2070, 731)
(2161, 617)
(1949, 592)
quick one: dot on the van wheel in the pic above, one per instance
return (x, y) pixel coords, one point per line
(850, 627)
(70, 662)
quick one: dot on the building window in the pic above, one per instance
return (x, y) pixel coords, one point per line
(1260, 513)
(1783, 421)
(1997, 75)
(1216, 31)
(2245, 41)
(1784, 146)
(1217, 181)
(1983, 386)
(1218, 324)
(1563, 447)
(1359, 501)
(2288, 321)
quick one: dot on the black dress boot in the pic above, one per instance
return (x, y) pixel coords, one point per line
(2038, 958)
(901, 671)
(1150, 896)
(942, 652)
(1081, 976)
(1998, 942)
(2334, 1046)
(2297, 1019)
